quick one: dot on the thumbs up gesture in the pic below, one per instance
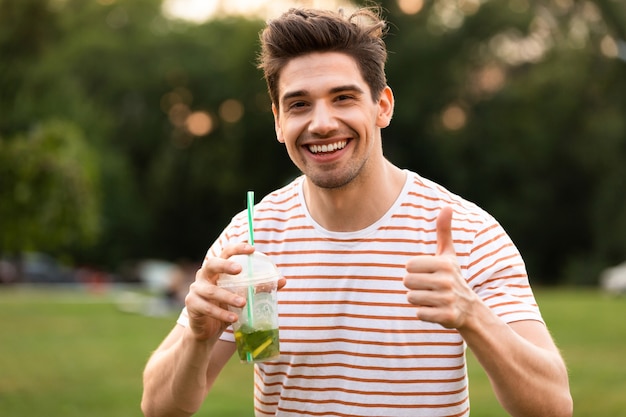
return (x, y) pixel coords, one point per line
(435, 283)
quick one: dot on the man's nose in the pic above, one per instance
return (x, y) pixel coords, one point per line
(323, 120)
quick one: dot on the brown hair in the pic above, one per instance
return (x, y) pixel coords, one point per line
(301, 31)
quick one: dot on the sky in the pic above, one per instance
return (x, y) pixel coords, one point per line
(202, 10)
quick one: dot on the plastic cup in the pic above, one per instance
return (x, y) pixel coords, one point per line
(256, 329)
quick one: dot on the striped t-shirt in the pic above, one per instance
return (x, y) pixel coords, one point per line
(350, 342)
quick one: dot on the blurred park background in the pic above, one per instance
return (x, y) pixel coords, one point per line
(130, 131)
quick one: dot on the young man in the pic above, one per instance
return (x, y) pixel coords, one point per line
(387, 275)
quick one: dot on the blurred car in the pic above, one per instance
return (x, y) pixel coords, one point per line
(613, 279)
(37, 267)
(156, 275)
(8, 272)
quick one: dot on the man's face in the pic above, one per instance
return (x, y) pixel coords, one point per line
(327, 119)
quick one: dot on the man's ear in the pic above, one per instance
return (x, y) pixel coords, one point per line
(385, 108)
(277, 128)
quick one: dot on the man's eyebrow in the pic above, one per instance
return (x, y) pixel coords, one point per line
(334, 90)
(292, 94)
(348, 87)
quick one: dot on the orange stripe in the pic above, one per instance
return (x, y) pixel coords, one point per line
(341, 276)
(273, 197)
(354, 316)
(332, 290)
(488, 242)
(341, 264)
(421, 206)
(279, 219)
(337, 414)
(360, 367)
(275, 208)
(369, 342)
(490, 254)
(372, 330)
(366, 393)
(350, 302)
(372, 355)
(507, 313)
(504, 278)
(342, 252)
(346, 241)
(379, 405)
(495, 262)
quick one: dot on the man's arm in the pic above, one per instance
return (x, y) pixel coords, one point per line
(524, 366)
(180, 373)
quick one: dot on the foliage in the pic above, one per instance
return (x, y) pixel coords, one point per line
(540, 122)
(516, 105)
(47, 199)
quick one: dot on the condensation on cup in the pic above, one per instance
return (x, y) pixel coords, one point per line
(256, 330)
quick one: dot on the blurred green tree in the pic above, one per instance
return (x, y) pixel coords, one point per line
(47, 199)
(517, 105)
(177, 113)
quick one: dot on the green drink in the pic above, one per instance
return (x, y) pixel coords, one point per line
(255, 344)
(256, 329)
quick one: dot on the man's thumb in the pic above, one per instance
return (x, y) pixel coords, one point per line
(445, 244)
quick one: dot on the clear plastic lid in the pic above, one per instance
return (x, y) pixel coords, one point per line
(257, 268)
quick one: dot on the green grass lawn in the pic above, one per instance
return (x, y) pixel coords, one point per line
(72, 354)
(588, 326)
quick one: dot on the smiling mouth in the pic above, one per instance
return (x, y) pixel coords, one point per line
(331, 147)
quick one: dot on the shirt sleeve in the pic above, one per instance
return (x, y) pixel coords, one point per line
(497, 273)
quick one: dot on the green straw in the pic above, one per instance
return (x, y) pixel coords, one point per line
(250, 205)
(250, 216)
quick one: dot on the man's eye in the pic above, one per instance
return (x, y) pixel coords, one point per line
(344, 97)
(297, 105)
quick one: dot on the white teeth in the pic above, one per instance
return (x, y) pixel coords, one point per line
(328, 148)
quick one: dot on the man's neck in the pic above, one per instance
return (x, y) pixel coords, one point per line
(357, 205)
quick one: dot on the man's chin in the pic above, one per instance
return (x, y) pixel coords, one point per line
(329, 181)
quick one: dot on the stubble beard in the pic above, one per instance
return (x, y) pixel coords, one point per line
(336, 178)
